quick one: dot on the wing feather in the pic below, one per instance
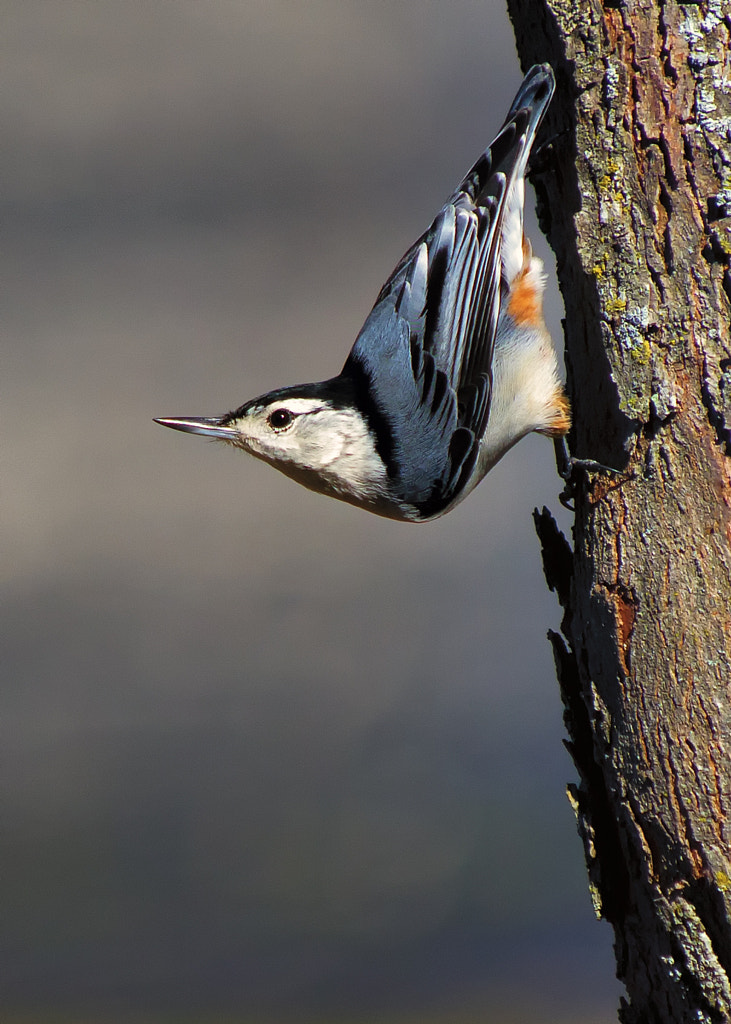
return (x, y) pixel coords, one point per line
(426, 349)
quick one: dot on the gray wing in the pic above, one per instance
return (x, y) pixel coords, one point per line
(422, 363)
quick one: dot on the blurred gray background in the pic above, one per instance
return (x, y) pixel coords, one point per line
(267, 757)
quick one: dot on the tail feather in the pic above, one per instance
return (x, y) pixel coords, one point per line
(500, 171)
(509, 151)
(533, 96)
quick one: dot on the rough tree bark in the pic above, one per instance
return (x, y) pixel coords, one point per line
(636, 201)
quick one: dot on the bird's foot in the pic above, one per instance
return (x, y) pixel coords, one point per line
(543, 157)
(568, 466)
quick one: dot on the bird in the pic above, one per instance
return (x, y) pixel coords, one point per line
(452, 367)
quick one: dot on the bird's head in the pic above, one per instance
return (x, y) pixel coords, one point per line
(313, 433)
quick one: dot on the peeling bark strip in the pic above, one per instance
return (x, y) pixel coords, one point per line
(636, 201)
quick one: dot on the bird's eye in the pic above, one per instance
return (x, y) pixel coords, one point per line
(279, 419)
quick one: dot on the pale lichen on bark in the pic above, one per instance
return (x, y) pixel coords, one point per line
(637, 205)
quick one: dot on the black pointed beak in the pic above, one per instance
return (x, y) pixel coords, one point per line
(207, 426)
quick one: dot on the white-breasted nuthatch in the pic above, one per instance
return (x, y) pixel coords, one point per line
(453, 366)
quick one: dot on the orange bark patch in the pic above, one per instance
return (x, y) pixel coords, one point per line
(625, 605)
(525, 301)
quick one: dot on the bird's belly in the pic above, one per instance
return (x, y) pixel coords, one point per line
(527, 393)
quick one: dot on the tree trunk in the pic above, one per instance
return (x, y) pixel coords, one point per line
(635, 195)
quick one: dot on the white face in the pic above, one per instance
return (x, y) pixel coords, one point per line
(323, 447)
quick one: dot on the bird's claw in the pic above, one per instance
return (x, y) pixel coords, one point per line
(543, 157)
(567, 466)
